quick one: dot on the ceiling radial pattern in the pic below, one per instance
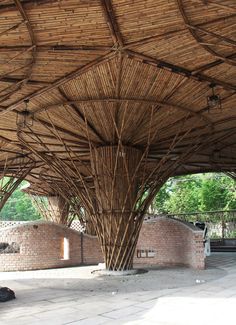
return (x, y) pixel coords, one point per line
(112, 97)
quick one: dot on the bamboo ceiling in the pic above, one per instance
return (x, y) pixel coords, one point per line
(106, 71)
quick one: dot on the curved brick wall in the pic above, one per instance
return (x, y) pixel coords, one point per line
(168, 241)
(42, 246)
(162, 241)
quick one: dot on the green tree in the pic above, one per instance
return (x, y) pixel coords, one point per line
(203, 192)
(162, 197)
(217, 193)
(19, 207)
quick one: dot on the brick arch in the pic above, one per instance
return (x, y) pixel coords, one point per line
(42, 247)
(168, 241)
(164, 241)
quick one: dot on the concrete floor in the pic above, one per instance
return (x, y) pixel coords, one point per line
(163, 296)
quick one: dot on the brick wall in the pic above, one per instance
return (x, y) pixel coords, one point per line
(92, 253)
(162, 241)
(42, 246)
(167, 241)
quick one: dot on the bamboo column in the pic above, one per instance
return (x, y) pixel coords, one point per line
(116, 186)
(58, 209)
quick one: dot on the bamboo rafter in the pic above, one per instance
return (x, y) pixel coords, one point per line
(111, 21)
(217, 4)
(19, 84)
(175, 69)
(27, 3)
(193, 29)
(169, 33)
(63, 80)
(123, 100)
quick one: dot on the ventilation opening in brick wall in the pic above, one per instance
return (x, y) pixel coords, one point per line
(65, 249)
(144, 253)
(6, 248)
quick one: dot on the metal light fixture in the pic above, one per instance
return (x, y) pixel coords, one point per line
(214, 100)
(25, 117)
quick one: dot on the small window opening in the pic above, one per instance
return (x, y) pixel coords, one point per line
(65, 249)
(144, 253)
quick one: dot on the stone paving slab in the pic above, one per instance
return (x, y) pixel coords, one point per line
(176, 296)
(92, 321)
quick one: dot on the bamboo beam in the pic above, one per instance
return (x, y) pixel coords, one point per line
(197, 38)
(178, 70)
(118, 85)
(3, 76)
(4, 108)
(111, 22)
(62, 80)
(14, 27)
(124, 100)
(29, 82)
(170, 33)
(58, 48)
(217, 4)
(222, 38)
(212, 64)
(31, 34)
(153, 38)
(26, 20)
(32, 48)
(20, 54)
(29, 4)
(16, 86)
(43, 135)
(216, 44)
(9, 151)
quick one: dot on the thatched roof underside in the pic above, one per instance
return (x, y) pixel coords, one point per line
(103, 71)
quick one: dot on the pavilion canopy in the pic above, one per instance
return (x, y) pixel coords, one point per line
(99, 73)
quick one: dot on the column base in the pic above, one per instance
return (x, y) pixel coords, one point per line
(117, 273)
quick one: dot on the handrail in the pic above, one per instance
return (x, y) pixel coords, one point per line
(203, 212)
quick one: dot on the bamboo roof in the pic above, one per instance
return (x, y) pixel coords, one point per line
(103, 71)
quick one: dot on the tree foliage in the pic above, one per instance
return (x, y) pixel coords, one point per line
(19, 207)
(182, 194)
(203, 192)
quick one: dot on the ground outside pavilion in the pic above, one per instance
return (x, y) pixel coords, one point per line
(163, 296)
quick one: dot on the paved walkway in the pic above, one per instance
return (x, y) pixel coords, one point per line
(173, 296)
